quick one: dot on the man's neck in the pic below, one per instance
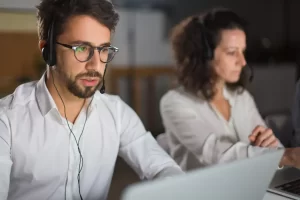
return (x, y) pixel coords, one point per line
(68, 105)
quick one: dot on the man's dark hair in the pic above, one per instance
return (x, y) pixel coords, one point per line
(62, 10)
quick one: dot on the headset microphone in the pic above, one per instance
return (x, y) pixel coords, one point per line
(251, 73)
(102, 89)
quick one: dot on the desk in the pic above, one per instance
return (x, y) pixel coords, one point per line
(271, 196)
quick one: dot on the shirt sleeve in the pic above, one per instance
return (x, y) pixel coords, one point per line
(198, 137)
(140, 150)
(5, 158)
(253, 114)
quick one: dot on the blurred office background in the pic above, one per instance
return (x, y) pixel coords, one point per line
(143, 69)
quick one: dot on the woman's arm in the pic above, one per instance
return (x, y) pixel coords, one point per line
(198, 137)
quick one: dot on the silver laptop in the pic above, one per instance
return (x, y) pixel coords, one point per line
(246, 179)
(286, 182)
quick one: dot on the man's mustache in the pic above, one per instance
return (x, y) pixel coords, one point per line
(89, 74)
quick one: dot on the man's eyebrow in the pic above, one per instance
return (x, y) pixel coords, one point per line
(105, 44)
(80, 42)
(89, 43)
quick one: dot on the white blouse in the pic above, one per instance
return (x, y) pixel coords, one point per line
(199, 136)
(229, 125)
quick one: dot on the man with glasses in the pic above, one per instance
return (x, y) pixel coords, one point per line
(59, 136)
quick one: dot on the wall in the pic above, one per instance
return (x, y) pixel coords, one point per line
(140, 37)
(265, 17)
(18, 36)
(17, 22)
(149, 45)
(293, 15)
(19, 4)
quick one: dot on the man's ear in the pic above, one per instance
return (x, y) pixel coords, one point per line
(42, 44)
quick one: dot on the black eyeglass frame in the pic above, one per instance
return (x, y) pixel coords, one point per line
(91, 53)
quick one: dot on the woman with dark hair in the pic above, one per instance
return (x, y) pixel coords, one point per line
(211, 118)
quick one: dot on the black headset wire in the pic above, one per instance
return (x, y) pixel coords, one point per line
(77, 142)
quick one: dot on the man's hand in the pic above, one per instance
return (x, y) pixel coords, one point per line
(263, 137)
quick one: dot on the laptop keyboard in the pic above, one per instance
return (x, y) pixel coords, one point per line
(291, 187)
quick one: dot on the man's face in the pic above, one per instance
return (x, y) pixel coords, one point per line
(82, 79)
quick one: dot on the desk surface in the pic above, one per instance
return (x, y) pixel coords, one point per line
(271, 196)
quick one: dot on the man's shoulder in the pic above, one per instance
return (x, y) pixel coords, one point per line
(22, 95)
(111, 101)
(108, 99)
(109, 105)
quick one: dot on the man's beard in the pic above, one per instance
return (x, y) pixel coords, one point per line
(76, 89)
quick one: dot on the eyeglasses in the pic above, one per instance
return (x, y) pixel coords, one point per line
(85, 52)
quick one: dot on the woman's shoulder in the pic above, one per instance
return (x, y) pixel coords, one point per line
(243, 95)
(180, 96)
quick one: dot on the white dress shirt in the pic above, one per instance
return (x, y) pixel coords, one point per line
(39, 157)
(198, 136)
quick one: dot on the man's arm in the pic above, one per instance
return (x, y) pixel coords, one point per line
(139, 148)
(5, 158)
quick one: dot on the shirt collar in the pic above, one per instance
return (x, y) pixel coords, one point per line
(229, 95)
(46, 102)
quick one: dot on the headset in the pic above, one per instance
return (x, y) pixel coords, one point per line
(208, 53)
(49, 52)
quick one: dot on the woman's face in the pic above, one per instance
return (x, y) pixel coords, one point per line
(229, 55)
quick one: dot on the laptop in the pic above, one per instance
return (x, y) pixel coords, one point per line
(246, 179)
(286, 182)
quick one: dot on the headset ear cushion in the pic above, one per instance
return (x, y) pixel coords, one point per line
(45, 52)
